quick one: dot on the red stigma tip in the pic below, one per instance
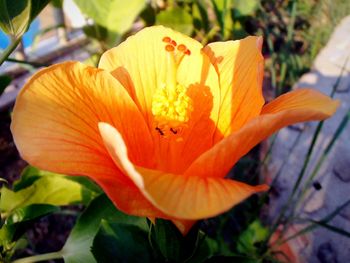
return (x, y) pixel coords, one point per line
(188, 52)
(182, 48)
(167, 39)
(169, 48)
(173, 43)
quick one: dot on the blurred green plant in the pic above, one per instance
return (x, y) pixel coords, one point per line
(15, 19)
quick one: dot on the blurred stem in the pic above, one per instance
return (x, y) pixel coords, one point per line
(171, 3)
(7, 52)
(42, 257)
(290, 29)
(30, 63)
(308, 157)
(325, 153)
(223, 17)
(278, 174)
(287, 51)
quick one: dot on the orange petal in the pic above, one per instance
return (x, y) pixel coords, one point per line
(55, 127)
(240, 68)
(55, 120)
(296, 106)
(178, 196)
(127, 197)
(184, 225)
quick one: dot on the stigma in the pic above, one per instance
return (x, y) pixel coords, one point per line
(171, 106)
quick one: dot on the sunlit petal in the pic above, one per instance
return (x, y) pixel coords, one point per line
(296, 106)
(240, 67)
(179, 196)
(55, 127)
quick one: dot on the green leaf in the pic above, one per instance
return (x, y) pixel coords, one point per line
(200, 15)
(168, 238)
(88, 189)
(245, 8)
(250, 238)
(79, 242)
(176, 18)
(36, 7)
(17, 223)
(207, 248)
(30, 212)
(172, 245)
(54, 189)
(57, 3)
(115, 15)
(14, 16)
(96, 31)
(28, 176)
(222, 10)
(148, 15)
(116, 242)
(6, 235)
(4, 82)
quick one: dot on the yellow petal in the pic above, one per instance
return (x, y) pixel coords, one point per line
(140, 64)
(178, 196)
(240, 68)
(296, 106)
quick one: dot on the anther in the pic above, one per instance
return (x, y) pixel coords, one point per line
(188, 52)
(167, 39)
(169, 48)
(182, 48)
(173, 43)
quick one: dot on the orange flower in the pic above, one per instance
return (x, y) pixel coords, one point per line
(160, 123)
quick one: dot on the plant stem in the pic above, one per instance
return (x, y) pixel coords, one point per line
(324, 155)
(7, 52)
(30, 63)
(37, 258)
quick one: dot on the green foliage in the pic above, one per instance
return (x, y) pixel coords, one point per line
(116, 242)
(52, 189)
(4, 82)
(245, 8)
(177, 18)
(172, 245)
(251, 238)
(36, 194)
(80, 240)
(15, 17)
(222, 10)
(16, 224)
(115, 16)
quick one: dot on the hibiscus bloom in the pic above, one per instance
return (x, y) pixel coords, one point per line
(160, 122)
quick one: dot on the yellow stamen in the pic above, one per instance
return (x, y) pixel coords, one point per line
(171, 106)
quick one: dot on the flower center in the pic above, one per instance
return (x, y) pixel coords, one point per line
(171, 106)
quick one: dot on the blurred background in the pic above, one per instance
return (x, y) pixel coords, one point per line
(306, 44)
